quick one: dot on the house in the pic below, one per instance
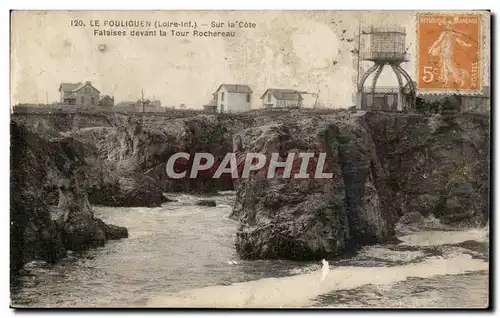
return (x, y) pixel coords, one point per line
(82, 94)
(106, 100)
(148, 105)
(155, 103)
(278, 98)
(386, 98)
(233, 98)
(211, 107)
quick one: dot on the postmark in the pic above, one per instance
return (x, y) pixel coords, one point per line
(449, 53)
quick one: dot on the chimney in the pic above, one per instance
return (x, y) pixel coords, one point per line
(87, 82)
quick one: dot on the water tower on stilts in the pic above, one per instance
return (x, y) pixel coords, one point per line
(384, 46)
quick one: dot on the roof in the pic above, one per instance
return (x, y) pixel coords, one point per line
(69, 86)
(74, 87)
(283, 94)
(106, 96)
(235, 88)
(126, 103)
(388, 89)
(381, 89)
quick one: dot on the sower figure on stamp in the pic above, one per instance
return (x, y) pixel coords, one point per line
(443, 47)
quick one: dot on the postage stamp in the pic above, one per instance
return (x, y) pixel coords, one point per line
(449, 53)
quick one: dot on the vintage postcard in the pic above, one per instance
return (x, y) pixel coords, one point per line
(250, 159)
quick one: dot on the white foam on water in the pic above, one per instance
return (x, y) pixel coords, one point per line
(434, 238)
(181, 197)
(228, 193)
(301, 290)
(379, 252)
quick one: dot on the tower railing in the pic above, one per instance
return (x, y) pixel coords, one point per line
(385, 55)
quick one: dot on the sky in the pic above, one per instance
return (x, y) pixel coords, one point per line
(304, 50)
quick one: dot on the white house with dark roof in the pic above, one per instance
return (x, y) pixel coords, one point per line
(233, 98)
(82, 94)
(276, 97)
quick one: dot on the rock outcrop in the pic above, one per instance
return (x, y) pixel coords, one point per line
(79, 228)
(384, 166)
(37, 231)
(313, 218)
(107, 182)
(139, 148)
(437, 164)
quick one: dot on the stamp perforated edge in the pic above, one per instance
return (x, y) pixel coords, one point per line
(482, 53)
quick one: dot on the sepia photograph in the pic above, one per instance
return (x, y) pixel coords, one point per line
(250, 159)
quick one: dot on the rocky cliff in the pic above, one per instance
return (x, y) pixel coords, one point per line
(37, 230)
(314, 218)
(134, 150)
(384, 165)
(436, 164)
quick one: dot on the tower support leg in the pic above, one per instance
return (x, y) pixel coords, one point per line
(400, 101)
(413, 96)
(374, 83)
(359, 100)
(361, 84)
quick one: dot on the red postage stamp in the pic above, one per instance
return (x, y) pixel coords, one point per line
(449, 53)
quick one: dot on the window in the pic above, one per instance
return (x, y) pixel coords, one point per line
(92, 100)
(248, 98)
(269, 97)
(82, 100)
(222, 97)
